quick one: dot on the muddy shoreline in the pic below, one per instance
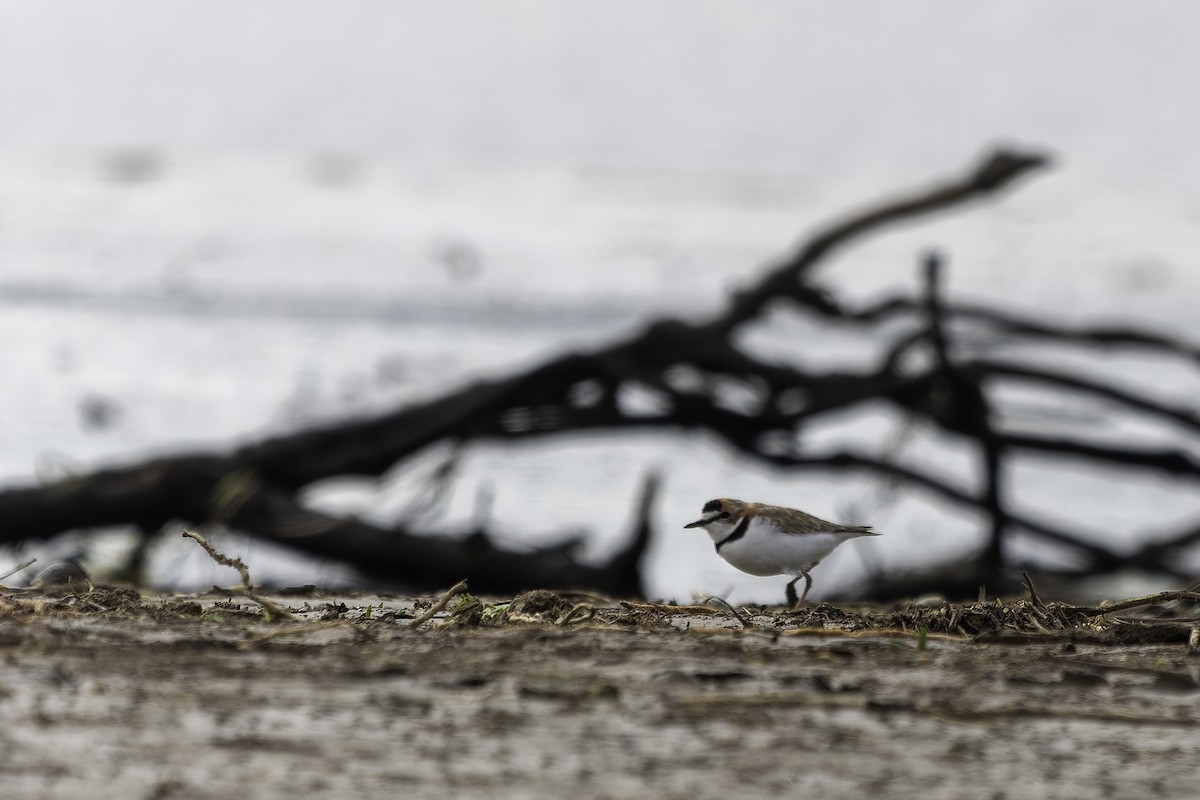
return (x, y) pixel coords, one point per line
(116, 693)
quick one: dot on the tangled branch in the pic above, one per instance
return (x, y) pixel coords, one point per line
(689, 370)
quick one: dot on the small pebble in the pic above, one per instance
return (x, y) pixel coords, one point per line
(62, 573)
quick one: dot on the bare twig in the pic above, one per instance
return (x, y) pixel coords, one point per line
(15, 570)
(994, 173)
(236, 563)
(671, 610)
(454, 592)
(221, 558)
(1171, 460)
(1125, 605)
(958, 404)
(742, 618)
(1033, 595)
(1088, 386)
(581, 612)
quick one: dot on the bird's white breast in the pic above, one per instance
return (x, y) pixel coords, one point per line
(766, 550)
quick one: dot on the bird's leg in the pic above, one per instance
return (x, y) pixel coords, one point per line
(807, 584)
(791, 593)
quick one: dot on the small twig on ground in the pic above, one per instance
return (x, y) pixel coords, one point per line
(662, 608)
(15, 570)
(454, 592)
(243, 571)
(1149, 600)
(1033, 595)
(581, 612)
(1033, 620)
(746, 623)
(221, 558)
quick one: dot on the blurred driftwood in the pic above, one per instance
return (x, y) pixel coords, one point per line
(686, 367)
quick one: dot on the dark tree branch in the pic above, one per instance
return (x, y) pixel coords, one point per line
(1175, 462)
(1120, 397)
(1025, 327)
(966, 410)
(687, 368)
(994, 173)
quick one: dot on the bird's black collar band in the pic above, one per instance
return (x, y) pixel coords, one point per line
(737, 533)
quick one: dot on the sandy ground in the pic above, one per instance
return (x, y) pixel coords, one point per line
(118, 694)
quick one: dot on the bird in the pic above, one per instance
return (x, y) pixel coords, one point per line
(773, 540)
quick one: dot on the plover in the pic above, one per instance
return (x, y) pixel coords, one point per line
(773, 540)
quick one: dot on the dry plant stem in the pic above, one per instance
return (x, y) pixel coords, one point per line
(668, 609)
(243, 571)
(221, 558)
(1033, 595)
(746, 623)
(15, 570)
(581, 613)
(273, 608)
(1124, 605)
(454, 592)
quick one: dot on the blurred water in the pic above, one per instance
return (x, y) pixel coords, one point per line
(219, 221)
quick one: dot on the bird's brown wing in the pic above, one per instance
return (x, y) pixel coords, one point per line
(789, 520)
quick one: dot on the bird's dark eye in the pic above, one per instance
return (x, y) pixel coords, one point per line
(724, 515)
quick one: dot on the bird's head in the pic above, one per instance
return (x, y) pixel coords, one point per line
(720, 516)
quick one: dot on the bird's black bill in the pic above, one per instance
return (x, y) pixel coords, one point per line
(696, 524)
